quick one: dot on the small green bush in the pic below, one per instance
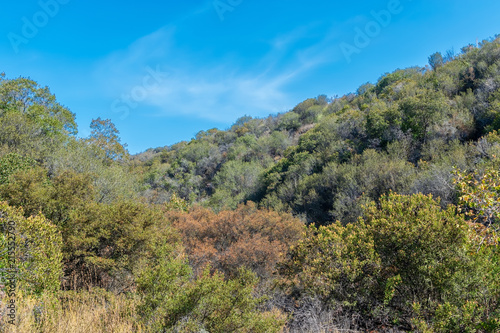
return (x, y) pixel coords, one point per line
(33, 250)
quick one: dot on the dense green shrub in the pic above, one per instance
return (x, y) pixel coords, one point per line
(33, 253)
(173, 302)
(407, 263)
(11, 163)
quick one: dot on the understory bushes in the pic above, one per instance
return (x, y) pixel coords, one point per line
(407, 263)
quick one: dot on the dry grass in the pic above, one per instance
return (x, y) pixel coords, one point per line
(70, 312)
(100, 311)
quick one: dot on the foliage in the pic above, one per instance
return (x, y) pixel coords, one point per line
(32, 122)
(405, 262)
(112, 180)
(105, 136)
(246, 237)
(34, 191)
(436, 60)
(34, 251)
(290, 121)
(174, 303)
(481, 194)
(26, 97)
(11, 163)
(235, 183)
(105, 244)
(177, 204)
(402, 264)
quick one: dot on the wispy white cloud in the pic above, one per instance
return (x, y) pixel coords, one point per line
(220, 93)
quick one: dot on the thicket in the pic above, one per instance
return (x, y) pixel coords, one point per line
(407, 264)
(397, 183)
(327, 157)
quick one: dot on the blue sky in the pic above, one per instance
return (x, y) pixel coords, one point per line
(163, 70)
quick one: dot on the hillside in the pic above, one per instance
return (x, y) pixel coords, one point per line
(375, 211)
(326, 157)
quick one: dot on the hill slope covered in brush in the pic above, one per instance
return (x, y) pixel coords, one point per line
(374, 211)
(326, 157)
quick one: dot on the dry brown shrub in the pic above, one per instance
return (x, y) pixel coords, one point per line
(248, 236)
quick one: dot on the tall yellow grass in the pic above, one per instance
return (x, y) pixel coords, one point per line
(70, 312)
(97, 311)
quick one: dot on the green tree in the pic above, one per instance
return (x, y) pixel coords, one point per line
(235, 182)
(105, 244)
(105, 136)
(422, 111)
(436, 60)
(32, 122)
(290, 121)
(112, 181)
(27, 97)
